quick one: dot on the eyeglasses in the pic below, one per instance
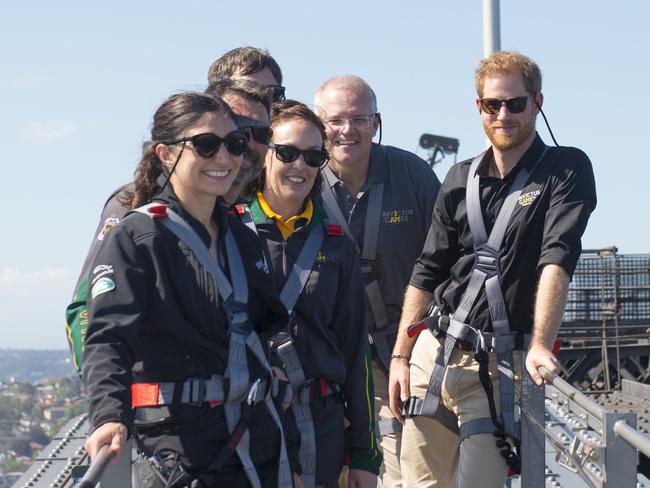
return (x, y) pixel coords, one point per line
(358, 122)
(207, 144)
(288, 154)
(514, 105)
(277, 92)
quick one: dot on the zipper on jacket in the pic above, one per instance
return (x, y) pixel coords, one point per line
(284, 259)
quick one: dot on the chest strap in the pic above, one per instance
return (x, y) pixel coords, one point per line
(242, 337)
(285, 348)
(384, 331)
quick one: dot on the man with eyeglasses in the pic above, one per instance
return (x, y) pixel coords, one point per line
(249, 63)
(504, 241)
(383, 198)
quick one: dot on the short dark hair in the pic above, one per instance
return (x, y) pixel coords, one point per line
(176, 114)
(244, 61)
(247, 89)
(285, 111)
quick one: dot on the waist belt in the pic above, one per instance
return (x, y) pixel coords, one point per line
(196, 391)
(469, 338)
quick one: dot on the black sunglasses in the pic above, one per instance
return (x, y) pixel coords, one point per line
(277, 92)
(313, 157)
(514, 105)
(260, 133)
(207, 144)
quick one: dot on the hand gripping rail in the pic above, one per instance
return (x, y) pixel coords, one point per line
(96, 469)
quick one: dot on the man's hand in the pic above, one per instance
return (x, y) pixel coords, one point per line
(358, 478)
(540, 355)
(297, 482)
(399, 388)
(113, 433)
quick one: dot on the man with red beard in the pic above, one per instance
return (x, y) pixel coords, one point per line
(504, 241)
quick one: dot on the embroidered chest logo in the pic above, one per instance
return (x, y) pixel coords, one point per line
(397, 216)
(528, 198)
(321, 258)
(261, 264)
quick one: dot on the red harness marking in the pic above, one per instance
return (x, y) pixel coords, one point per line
(144, 395)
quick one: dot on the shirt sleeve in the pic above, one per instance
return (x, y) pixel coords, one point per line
(121, 280)
(572, 200)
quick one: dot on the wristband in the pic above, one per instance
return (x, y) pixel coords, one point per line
(400, 356)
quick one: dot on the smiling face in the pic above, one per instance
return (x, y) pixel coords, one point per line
(254, 156)
(290, 183)
(506, 130)
(202, 179)
(349, 144)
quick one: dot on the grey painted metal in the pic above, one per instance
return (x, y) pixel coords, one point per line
(620, 456)
(565, 388)
(532, 438)
(632, 436)
(491, 27)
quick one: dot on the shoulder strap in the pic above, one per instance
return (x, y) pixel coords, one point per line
(185, 233)
(373, 220)
(331, 205)
(246, 217)
(302, 268)
(487, 249)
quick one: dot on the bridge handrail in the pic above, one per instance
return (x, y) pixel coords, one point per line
(621, 427)
(96, 469)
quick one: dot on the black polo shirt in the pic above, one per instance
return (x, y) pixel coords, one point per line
(410, 189)
(545, 228)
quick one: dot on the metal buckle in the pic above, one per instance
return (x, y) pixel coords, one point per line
(253, 395)
(487, 260)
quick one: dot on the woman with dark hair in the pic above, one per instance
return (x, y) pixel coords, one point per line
(317, 268)
(179, 307)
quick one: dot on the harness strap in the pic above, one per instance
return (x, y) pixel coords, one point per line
(486, 271)
(241, 336)
(302, 268)
(246, 217)
(193, 391)
(368, 255)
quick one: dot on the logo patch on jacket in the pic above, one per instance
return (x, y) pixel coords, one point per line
(261, 264)
(397, 216)
(102, 286)
(109, 223)
(528, 198)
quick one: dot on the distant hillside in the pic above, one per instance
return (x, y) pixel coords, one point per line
(26, 365)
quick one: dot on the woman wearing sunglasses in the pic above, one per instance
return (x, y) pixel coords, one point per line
(317, 268)
(178, 310)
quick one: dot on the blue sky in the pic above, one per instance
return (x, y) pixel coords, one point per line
(79, 82)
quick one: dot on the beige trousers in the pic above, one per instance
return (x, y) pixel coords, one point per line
(431, 456)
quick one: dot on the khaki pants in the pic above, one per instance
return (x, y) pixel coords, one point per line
(431, 456)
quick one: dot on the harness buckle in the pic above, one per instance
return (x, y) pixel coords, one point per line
(197, 393)
(487, 260)
(255, 394)
(368, 270)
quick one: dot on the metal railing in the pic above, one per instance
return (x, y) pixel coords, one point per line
(96, 469)
(598, 445)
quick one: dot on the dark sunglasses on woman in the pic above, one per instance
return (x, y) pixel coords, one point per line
(207, 144)
(288, 154)
(514, 105)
